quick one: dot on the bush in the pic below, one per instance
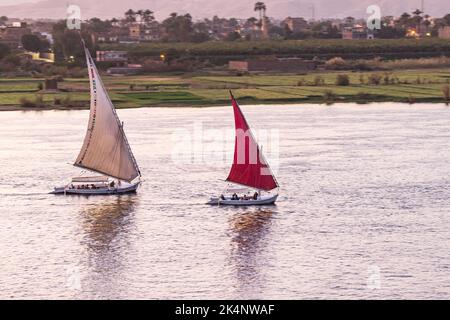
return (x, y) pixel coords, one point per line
(40, 86)
(31, 42)
(67, 101)
(75, 72)
(446, 93)
(342, 80)
(363, 97)
(439, 62)
(362, 66)
(319, 81)
(37, 103)
(12, 59)
(329, 97)
(336, 63)
(374, 79)
(361, 79)
(52, 70)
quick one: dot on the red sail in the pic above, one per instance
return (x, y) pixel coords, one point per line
(249, 166)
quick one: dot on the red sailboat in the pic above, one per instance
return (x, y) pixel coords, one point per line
(250, 169)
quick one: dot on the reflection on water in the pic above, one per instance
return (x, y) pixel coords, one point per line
(103, 221)
(106, 225)
(249, 227)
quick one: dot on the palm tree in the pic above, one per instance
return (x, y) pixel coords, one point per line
(148, 16)
(140, 13)
(418, 19)
(427, 23)
(349, 21)
(417, 12)
(130, 16)
(261, 7)
(405, 20)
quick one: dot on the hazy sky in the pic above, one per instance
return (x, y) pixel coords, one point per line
(9, 2)
(207, 8)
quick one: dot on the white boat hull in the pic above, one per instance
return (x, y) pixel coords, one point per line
(264, 200)
(101, 191)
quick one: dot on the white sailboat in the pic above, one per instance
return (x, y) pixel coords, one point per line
(105, 150)
(250, 170)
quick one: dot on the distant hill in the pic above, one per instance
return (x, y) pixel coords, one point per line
(232, 8)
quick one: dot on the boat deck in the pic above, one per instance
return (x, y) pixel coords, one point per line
(264, 200)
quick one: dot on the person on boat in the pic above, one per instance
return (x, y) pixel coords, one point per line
(255, 196)
(222, 197)
(112, 184)
(234, 197)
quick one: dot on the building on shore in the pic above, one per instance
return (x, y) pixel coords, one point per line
(288, 65)
(119, 62)
(130, 69)
(12, 35)
(120, 57)
(357, 32)
(44, 57)
(444, 32)
(145, 32)
(295, 25)
(105, 37)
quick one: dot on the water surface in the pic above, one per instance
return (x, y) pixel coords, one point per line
(363, 210)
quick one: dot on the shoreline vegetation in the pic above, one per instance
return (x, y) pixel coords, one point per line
(217, 52)
(429, 84)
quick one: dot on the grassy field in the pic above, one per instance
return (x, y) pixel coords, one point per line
(208, 90)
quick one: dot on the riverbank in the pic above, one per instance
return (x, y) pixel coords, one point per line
(191, 90)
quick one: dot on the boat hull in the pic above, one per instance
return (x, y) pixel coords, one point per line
(103, 191)
(265, 200)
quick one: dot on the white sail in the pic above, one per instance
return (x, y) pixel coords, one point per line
(105, 149)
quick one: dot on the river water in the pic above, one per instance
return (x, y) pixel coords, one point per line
(363, 212)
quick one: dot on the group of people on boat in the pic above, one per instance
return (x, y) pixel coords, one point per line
(92, 186)
(84, 186)
(244, 197)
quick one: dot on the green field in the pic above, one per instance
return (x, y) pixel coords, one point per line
(208, 90)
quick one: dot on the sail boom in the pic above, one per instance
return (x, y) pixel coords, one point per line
(103, 173)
